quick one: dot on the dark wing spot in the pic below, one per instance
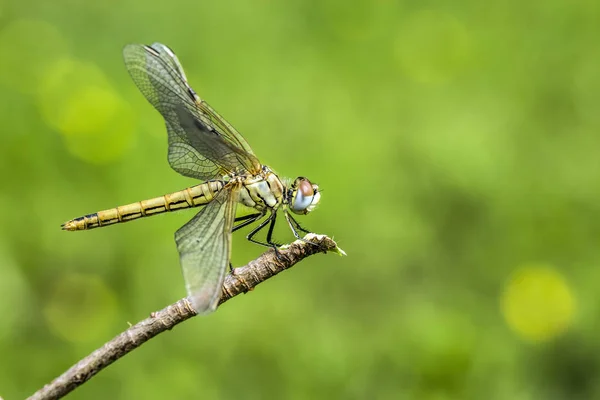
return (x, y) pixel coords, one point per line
(192, 93)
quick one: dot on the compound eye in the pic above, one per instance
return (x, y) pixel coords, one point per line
(306, 188)
(303, 196)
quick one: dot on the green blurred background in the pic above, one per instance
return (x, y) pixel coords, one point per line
(456, 144)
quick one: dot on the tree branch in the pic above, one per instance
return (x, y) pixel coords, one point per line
(241, 281)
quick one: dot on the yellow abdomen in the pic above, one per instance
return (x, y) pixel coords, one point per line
(191, 197)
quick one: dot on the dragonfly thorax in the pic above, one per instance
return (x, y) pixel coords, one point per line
(261, 191)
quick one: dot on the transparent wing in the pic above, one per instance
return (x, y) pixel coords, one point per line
(202, 144)
(204, 246)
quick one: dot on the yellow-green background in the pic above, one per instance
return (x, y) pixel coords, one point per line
(457, 145)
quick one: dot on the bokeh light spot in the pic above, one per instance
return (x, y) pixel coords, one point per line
(27, 48)
(537, 303)
(432, 47)
(81, 308)
(76, 99)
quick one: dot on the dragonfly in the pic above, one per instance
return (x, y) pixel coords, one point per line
(204, 146)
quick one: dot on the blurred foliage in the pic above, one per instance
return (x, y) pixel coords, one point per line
(457, 147)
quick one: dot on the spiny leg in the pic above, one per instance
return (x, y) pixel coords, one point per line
(272, 218)
(298, 226)
(248, 219)
(295, 225)
(270, 235)
(249, 216)
(251, 235)
(270, 232)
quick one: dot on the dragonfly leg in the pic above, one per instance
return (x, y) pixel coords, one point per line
(269, 243)
(248, 219)
(249, 216)
(298, 226)
(295, 225)
(270, 234)
(250, 236)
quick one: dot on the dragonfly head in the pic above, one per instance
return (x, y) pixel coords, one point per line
(303, 196)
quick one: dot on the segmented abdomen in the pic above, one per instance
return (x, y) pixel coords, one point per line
(191, 197)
